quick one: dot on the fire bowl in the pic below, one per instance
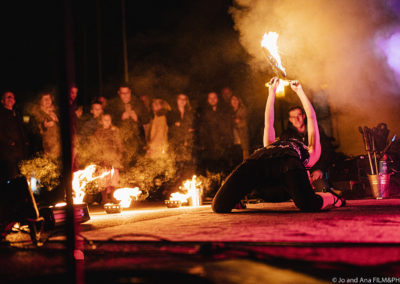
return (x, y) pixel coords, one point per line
(173, 203)
(54, 216)
(112, 208)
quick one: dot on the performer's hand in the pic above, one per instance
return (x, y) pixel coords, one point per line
(296, 86)
(133, 115)
(125, 115)
(273, 84)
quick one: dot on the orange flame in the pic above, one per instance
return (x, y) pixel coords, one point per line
(126, 194)
(192, 189)
(280, 90)
(270, 42)
(81, 179)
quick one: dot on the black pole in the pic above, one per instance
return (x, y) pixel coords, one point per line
(74, 252)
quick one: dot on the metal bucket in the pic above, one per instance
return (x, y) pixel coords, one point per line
(379, 185)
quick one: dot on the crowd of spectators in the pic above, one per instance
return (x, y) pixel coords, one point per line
(117, 132)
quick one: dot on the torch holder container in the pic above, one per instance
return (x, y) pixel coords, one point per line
(55, 216)
(379, 185)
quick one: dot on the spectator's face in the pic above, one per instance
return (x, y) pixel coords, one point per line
(73, 93)
(226, 94)
(46, 101)
(235, 102)
(106, 121)
(125, 94)
(296, 117)
(8, 100)
(103, 101)
(145, 99)
(212, 99)
(96, 110)
(156, 105)
(181, 101)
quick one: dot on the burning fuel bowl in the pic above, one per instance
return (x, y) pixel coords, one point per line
(112, 208)
(173, 203)
(54, 216)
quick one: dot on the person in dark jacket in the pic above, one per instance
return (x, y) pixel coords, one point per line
(13, 140)
(180, 134)
(216, 136)
(132, 118)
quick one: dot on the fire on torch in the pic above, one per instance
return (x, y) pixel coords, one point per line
(270, 49)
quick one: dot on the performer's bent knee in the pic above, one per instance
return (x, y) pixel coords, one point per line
(220, 208)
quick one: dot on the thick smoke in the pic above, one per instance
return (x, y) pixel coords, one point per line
(332, 46)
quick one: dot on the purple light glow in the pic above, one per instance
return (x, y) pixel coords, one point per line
(390, 47)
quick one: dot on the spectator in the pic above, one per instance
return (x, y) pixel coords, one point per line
(86, 131)
(108, 155)
(146, 102)
(103, 101)
(226, 94)
(181, 130)
(73, 93)
(216, 137)
(92, 122)
(47, 123)
(157, 144)
(240, 131)
(13, 140)
(132, 118)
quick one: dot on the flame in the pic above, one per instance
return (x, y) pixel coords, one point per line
(177, 196)
(192, 188)
(280, 90)
(269, 42)
(125, 195)
(81, 179)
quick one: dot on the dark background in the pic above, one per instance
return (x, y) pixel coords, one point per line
(173, 46)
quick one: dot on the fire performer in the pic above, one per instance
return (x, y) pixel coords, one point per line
(297, 128)
(278, 171)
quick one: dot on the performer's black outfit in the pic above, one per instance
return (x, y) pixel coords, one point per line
(276, 173)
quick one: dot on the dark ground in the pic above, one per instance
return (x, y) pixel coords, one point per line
(266, 243)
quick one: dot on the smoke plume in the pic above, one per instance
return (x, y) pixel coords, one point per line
(342, 49)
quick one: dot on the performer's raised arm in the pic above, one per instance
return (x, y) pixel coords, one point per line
(269, 130)
(314, 145)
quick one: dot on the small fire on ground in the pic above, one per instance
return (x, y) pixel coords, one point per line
(190, 194)
(82, 178)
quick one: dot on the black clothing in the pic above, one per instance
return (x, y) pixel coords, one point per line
(13, 143)
(216, 140)
(274, 173)
(132, 132)
(180, 134)
(327, 149)
(117, 108)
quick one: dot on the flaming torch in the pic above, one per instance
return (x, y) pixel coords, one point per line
(270, 49)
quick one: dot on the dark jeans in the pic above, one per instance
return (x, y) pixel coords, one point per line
(272, 179)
